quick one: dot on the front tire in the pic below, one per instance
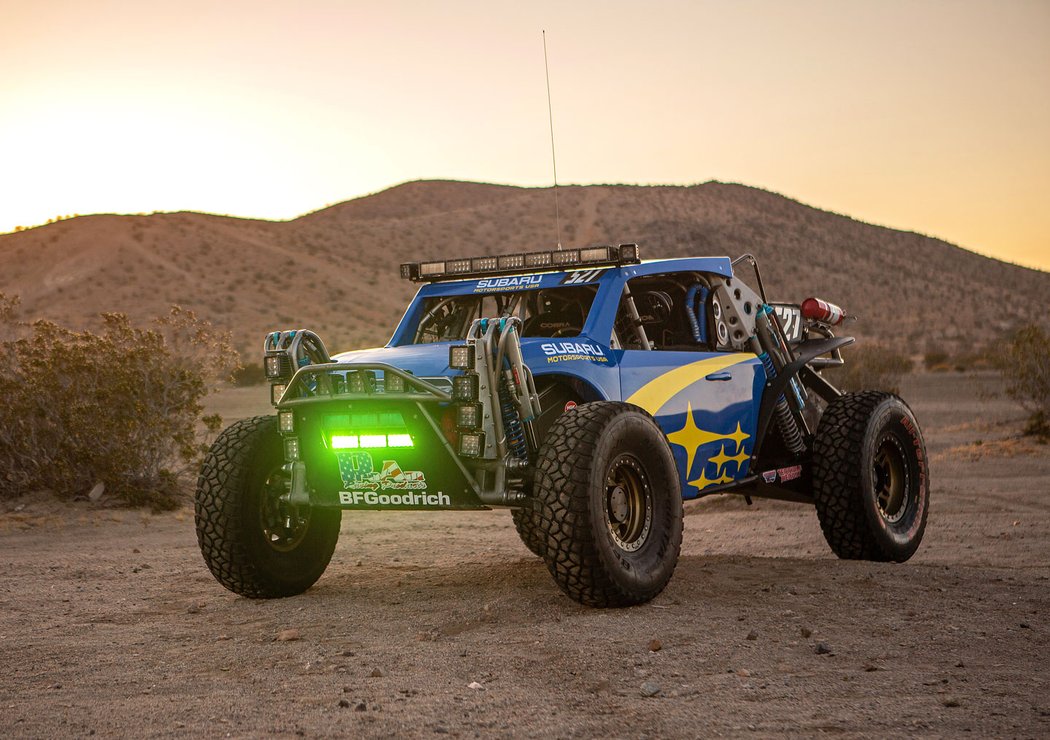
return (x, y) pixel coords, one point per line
(253, 541)
(527, 523)
(609, 505)
(871, 483)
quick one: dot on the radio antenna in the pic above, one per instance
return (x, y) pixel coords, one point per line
(550, 118)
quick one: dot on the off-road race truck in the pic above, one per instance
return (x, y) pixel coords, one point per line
(585, 390)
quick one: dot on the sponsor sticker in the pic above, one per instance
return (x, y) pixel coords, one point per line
(769, 476)
(789, 474)
(373, 498)
(570, 405)
(567, 351)
(507, 283)
(357, 471)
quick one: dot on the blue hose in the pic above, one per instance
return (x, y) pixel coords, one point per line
(696, 311)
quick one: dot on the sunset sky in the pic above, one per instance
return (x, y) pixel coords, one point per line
(931, 116)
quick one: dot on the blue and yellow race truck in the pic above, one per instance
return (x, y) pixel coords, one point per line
(587, 391)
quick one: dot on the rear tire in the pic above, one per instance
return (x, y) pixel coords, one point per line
(255, 544)
(609, 505)
(871, 483)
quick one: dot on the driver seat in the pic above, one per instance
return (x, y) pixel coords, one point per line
(565, 320)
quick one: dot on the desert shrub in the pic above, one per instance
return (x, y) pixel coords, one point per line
(248, 375)
(935, 360)
(871, 366)
(121, 406)
(1025, 365)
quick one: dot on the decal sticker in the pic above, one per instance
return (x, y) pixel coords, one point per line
(570, 405)
(653, 395)
(723, 466)
(769, 476)
(566, 351)
(357, 471)
(582, 276)
(371, 498)
(788, 474)
(790, 321)
(490, 285)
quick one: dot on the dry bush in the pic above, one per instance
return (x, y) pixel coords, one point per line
(871, 366)
(121, 407)
(249, 375)
(1025, 365)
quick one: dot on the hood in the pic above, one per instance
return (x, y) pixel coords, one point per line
(422, 360)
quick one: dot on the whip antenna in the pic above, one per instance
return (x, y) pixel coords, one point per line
(554, 159)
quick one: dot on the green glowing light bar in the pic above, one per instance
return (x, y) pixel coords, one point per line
(373, 440)
(370, 441)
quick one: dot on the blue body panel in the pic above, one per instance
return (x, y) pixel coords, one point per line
(706, 403)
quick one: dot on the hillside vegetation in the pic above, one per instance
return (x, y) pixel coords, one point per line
(336, 270)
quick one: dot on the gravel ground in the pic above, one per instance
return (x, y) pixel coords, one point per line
(444, 623)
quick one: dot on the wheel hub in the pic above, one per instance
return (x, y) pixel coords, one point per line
(283, 524)
(618, 508)
(628, 503)
(890, 479)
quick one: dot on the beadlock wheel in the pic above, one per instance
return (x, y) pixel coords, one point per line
(628, 503)
(608, 504)
(254, 542)
(871, 481)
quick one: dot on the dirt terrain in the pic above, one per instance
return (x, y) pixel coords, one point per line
(111, 624)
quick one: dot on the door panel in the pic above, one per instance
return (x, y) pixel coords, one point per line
(707, 405)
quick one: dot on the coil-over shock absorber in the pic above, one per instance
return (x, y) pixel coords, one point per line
(512, 426)
(766, 344)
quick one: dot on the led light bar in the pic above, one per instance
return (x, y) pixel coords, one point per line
(509, 264)
(276, 392)
(291, 449)
(287, 421)
(370, 441)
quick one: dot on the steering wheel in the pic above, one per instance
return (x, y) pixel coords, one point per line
(654, 307)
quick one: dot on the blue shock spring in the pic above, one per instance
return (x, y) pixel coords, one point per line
(512, 424)
(788, 426)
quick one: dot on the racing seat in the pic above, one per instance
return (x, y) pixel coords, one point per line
(556, 319)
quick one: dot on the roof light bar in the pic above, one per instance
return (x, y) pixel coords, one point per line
(508, 264)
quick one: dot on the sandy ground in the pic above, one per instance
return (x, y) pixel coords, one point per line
(110, 623)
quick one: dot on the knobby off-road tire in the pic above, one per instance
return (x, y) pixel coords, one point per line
(241, 521)
(555, 399)
(609, 504)
(871, 482)
(529, 526)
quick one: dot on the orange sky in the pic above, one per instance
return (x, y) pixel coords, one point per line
(932, 116)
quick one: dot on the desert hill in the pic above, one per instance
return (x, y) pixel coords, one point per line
(336, 270)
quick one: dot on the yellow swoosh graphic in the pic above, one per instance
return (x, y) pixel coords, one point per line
(653, 395)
